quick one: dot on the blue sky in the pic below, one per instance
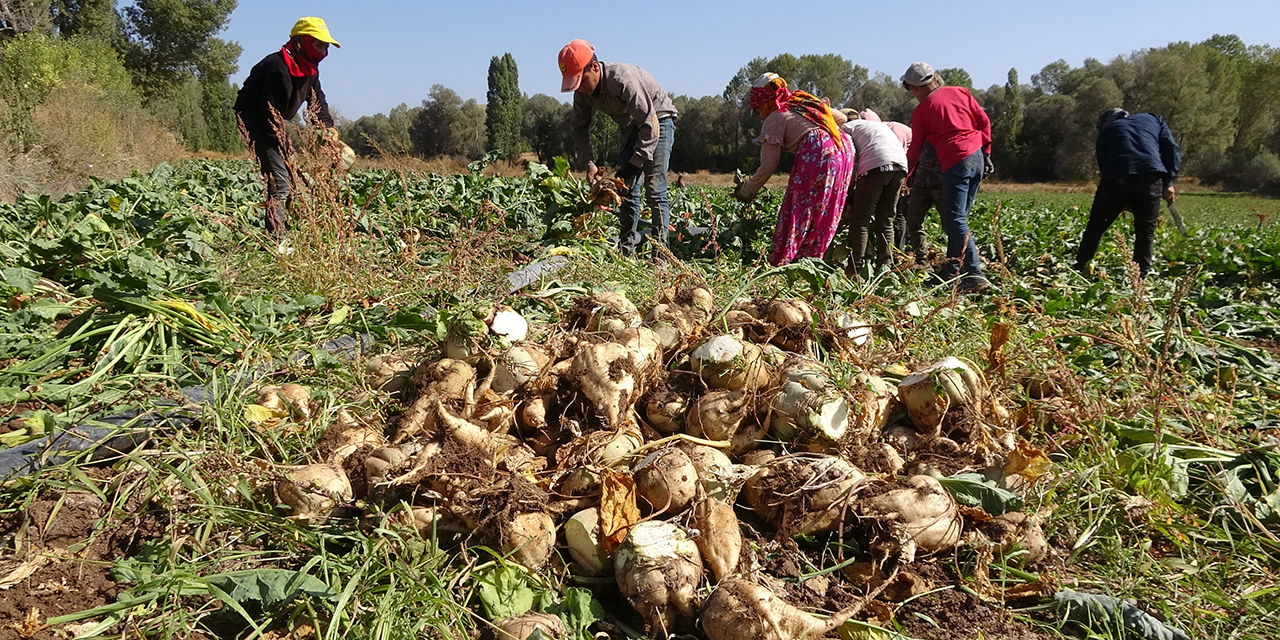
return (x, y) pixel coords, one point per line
(393, 52)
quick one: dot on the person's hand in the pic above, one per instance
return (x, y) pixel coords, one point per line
(1169, 195)
(329, 134)
(988, 169)
(593, 172)
(904, 191)
(740, 194)
(629, 173)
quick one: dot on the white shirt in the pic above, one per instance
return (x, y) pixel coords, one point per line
(876, 145)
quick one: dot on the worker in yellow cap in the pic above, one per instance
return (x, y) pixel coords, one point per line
(279, 84)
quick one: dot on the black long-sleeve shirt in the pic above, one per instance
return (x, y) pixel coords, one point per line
(269, 83)
(1138, 144)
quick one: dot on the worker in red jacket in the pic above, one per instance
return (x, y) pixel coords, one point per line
(278, 85)
(960, 131)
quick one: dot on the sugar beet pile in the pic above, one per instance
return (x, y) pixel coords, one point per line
(651, 447)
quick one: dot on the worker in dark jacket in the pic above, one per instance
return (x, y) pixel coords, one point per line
(276, 87)
(1138, 161)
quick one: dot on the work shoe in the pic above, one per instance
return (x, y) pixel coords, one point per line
(973, 284)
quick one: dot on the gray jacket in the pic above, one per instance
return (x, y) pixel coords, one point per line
(634, 99)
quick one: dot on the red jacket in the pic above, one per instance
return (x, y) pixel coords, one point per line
(953, 122)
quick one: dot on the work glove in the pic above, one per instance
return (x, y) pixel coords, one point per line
(629, 173)
(988, 169)
(740, 194)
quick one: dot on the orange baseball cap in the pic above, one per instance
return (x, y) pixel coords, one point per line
(574, 57)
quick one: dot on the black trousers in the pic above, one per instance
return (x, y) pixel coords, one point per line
(919, 202)
(276, 174)
(874, 196)
(1140, 194)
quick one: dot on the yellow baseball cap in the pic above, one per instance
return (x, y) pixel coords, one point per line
(314, 27)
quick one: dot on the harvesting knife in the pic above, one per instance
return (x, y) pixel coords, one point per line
(1177, 219)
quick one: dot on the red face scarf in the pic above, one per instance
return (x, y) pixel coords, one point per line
(803, 102)
(299, 65)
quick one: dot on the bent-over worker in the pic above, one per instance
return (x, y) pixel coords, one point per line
(276, 88)
(646, 129)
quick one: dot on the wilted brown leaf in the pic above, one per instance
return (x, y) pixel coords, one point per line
(1027, 461)
(618, 510)
(1000, 334)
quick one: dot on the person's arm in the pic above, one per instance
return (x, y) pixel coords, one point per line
(320, 104)
(1100, 151)
(277, 87)
(849, 127)
(640, 108)
(580, 127)
(917, 142)
(770, 154)
(1170, 155)
(982, 123)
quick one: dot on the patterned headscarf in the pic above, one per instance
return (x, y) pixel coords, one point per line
(770, 88)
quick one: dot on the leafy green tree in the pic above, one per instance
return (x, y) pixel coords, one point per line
(171, 40)
(382, 133)
(1043, 131)
(604, 140)
(1076, 158)
(884, 95)
(1230, 46)
(1050, 77)
(1195, 89)
(708, 135)
(827, 76)
(502, 113)
(956, 77)
(1006, 119)
(222, 132)
(22, 16)
(545, 126)
(448, 126)
(96, 19)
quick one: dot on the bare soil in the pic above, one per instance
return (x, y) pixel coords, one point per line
(74, 541)
(953, 614)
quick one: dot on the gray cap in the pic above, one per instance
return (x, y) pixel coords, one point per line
(918, 74)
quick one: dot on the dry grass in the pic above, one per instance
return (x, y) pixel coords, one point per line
(79, 134)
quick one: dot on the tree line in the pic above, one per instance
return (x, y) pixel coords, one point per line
(1221, 98)
(177, 68)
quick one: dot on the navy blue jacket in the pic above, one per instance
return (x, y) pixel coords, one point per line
(1138, 144)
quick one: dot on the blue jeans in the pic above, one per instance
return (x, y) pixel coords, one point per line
(959, 188)
(655, 186)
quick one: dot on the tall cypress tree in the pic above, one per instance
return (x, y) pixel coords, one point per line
(503, 113)
(1007, 124)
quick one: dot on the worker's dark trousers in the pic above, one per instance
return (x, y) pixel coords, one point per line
(276, 174)
(1140, 194)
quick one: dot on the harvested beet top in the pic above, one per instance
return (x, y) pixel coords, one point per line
(637, 440)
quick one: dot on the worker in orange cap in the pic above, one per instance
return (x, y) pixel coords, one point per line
(646, 128)
(281, 82)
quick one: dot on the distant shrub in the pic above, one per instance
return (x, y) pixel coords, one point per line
(68, 110)
(1262, 171)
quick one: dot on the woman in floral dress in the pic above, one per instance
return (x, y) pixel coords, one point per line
(798, 122)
